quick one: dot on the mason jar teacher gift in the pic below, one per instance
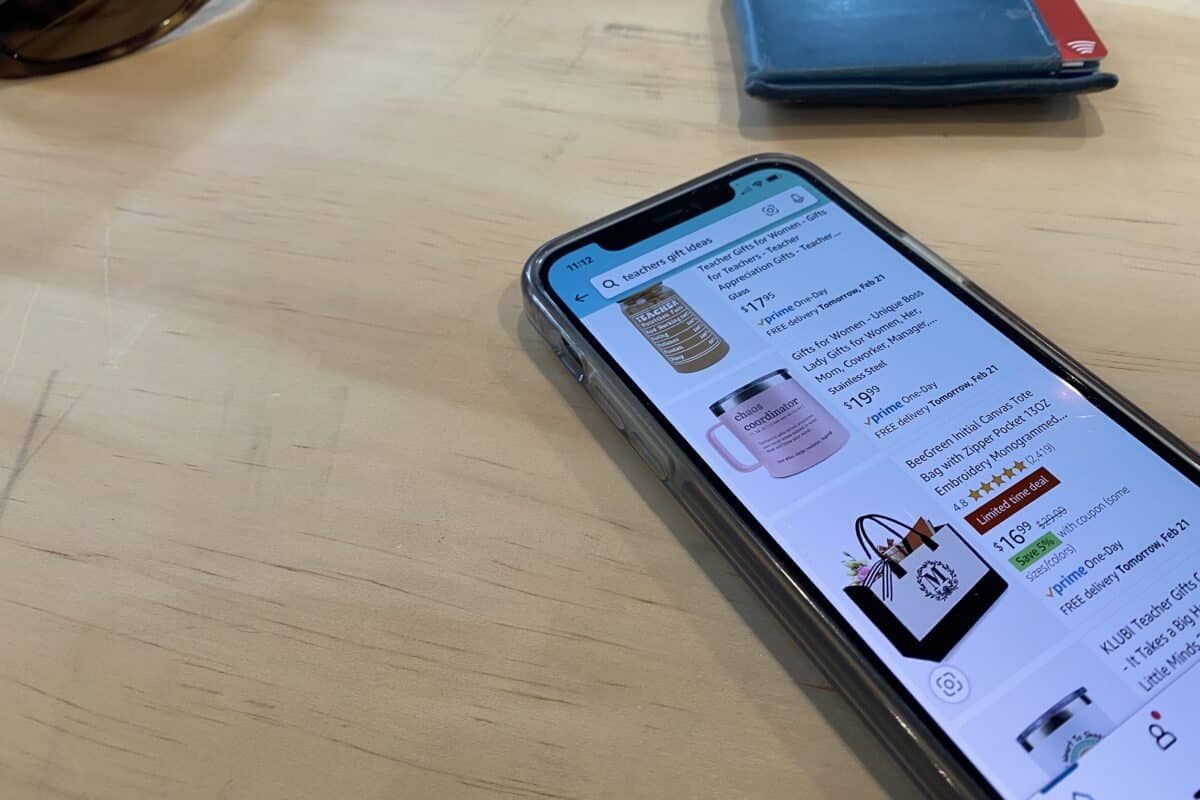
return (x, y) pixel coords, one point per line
(678, 333)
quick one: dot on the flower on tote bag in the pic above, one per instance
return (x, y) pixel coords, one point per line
(856, 568)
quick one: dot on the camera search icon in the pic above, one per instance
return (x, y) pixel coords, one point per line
(950, 685)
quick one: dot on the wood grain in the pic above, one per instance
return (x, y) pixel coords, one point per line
(294, 505)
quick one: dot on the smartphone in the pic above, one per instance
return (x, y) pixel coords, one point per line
(987, 549)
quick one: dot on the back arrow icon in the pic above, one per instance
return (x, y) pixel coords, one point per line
(579, 298)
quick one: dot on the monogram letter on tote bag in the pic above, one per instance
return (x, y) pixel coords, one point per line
(924, 587)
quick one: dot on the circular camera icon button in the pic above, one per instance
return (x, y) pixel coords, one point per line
(949, 685)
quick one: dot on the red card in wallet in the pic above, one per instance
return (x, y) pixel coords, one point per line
(1077, 40)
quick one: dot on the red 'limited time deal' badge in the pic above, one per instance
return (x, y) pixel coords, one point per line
(1018, 494)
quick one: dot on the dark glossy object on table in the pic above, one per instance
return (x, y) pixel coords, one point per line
(39, 37)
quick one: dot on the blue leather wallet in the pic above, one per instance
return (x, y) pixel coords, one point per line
(904, 52)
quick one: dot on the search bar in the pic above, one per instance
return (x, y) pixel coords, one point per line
(704, 242)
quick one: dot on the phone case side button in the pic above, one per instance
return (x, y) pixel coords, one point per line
(571, 360)
(659, 463)
(937, 260)
(600, 395)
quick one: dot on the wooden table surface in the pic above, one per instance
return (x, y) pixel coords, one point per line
(295, 505)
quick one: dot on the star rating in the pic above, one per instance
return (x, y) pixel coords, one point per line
(1007, 474)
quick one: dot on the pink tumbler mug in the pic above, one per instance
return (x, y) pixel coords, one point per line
(779, 423)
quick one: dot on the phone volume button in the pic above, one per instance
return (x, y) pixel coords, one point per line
(571, 360)
(605, 402)
(659, 463)
(937, 260)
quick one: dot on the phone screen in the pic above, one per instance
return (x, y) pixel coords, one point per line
(1018, 557)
